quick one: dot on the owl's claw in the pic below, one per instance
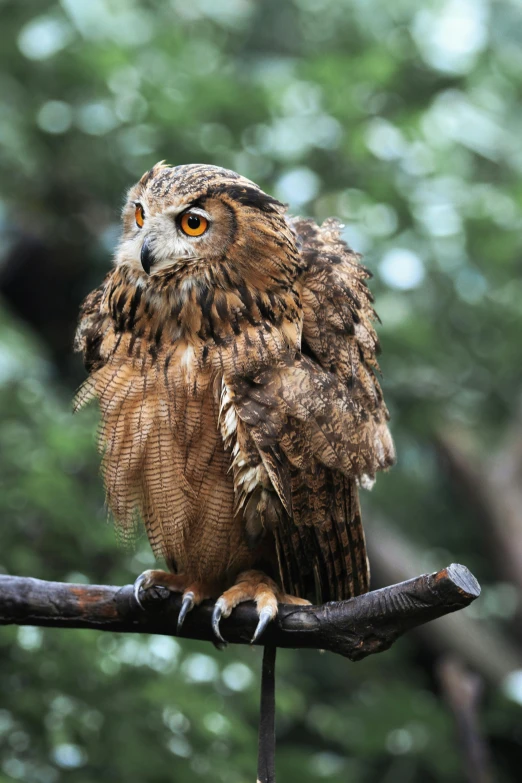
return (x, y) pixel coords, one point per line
(157, 585)
(138, 584)
(265, 616)
(186, 606)
(252, 586)
(216, 617)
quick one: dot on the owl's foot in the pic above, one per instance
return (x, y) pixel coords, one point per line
(193, 592)
(252, 586)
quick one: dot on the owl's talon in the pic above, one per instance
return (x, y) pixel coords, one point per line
(186, 606)
(216, 617)
(138, 585)
(265, 616)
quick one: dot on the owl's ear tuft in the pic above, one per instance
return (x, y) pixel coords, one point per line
(249, 197)
(162, 164)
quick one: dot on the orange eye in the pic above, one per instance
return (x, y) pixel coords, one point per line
(139, 214)
(193, 224)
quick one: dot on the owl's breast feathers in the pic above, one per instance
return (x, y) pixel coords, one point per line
(239, 417)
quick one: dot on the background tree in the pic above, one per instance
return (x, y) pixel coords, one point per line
(402, 119)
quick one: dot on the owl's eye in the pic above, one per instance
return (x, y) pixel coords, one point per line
(193, 224)
(139, 214)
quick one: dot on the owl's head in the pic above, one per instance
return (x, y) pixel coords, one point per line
(199, 222)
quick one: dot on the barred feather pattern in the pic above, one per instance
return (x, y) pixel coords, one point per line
(164, 461)
(238, 392)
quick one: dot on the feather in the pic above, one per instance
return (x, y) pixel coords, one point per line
(324, 417)
(239, 400)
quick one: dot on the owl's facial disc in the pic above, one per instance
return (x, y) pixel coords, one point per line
(171, 238)
(190, 222)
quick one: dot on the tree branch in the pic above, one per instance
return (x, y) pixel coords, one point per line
(356, 628)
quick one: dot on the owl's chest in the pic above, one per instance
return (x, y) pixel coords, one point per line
(190, 400)
(201, 522)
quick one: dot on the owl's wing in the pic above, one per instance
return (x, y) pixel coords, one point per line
(93, 323)
(320, 424)
(338, 313)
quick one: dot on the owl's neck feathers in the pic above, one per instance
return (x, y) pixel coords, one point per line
(214, 313)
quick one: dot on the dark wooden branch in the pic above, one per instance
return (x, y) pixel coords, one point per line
(356, 628)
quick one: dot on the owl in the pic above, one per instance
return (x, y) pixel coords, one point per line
(232, 352)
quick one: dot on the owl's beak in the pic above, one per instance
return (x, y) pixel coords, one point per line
(147, 259)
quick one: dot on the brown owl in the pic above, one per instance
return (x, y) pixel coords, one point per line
(233, 355)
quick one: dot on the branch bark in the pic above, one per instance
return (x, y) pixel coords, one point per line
(356, 628)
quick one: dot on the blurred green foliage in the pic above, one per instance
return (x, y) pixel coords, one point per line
(402, 119)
